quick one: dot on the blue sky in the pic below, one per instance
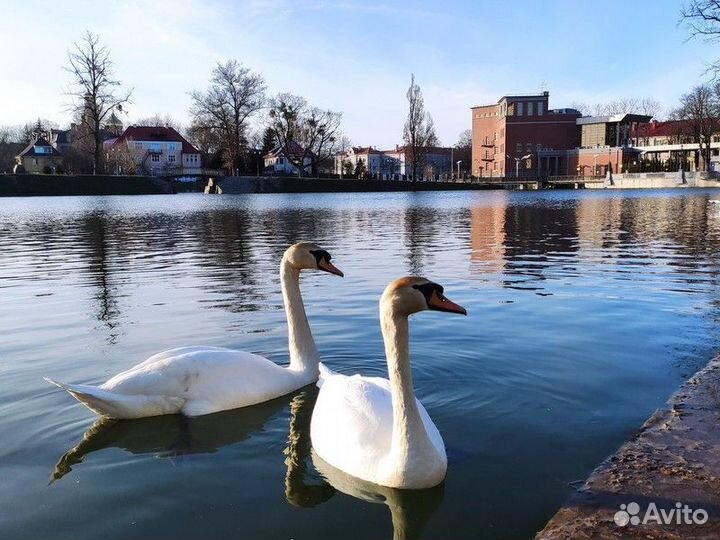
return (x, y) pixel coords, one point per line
(356, 57)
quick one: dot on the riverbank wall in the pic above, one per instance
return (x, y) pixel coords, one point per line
(14, 185)
(677, 179)
(274, 184)
(673, 460)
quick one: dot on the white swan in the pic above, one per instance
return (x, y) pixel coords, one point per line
(373, 428)
(202, 380)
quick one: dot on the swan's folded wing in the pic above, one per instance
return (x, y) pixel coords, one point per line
(352, 421)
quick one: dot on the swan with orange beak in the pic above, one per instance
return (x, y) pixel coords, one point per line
(373, 428)
(203, 380)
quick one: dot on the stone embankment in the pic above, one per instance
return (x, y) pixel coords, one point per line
(674, 460)
(13, 185)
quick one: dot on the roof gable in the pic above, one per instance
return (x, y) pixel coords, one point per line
(156, 134)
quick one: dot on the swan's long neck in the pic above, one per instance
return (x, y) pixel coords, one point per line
(408, 429)
(303, 353)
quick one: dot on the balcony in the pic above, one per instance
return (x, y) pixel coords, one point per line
(487, 143)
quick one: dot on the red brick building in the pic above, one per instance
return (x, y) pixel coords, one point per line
(507, 135)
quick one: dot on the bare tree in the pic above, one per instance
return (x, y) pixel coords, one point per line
(95, 91)
(702, 17)
(646, 106)
(701, 109)
(221, 113)
(419, 131)
(463, 150)
(308, 135)
(12, 143)
(161, 120)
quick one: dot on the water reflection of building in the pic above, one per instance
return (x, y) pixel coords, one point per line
(487, 233)
(539, 239)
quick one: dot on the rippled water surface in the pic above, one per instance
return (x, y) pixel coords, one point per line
(586, 310)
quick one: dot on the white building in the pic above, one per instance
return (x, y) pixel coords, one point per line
(276, 162)
(388, 164)
(157, 150)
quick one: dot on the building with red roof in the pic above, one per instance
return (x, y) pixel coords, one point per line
(154, 150)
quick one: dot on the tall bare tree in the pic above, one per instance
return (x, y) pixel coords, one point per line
(463, 150)
(702, 17)
(95, 91)
(701, 109)
(157, 119)
(308, 135)
(221, 113)
(647, 106)
(419, 131)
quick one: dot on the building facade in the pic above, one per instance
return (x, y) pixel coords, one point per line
(39, 157)
(153, 150)
(605, 143)
(672, 144)
(507, 135)
(276, 161)
(396, 163)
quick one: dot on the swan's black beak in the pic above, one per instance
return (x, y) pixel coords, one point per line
(327, 266)
(439, 302)
(323, 258)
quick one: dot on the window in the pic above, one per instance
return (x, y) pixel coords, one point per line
(155, 158)
(518, 148)
(716, 152)
(34, 161)
(281, 160)
(716, 138)
(138, 146)
(530, 108)
(155, 147)
(171, 158)
(519, 109)
(540, 108)
(172, 147)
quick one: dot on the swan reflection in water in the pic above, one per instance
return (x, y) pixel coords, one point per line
(309, 481)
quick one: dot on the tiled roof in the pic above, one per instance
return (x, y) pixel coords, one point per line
(156, 134)
(295, 150)
(30, 150)
(670, 128)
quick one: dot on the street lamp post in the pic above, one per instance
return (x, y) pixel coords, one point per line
(595, 164)
(517, 163)
(458, 168)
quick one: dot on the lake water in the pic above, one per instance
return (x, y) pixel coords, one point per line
(586, 310)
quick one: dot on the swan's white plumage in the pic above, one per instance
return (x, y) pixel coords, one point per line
(202, 380)
(352, 426)
(373, 428)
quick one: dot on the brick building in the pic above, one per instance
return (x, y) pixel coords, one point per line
(507, 135)
(604, 142)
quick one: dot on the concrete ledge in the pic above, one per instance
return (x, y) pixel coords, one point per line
(674, 458)
(43, 185)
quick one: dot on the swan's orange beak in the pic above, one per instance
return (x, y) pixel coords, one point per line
(326, 266)
(439, 302)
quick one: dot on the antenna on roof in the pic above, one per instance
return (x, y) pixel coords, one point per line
(543, 86)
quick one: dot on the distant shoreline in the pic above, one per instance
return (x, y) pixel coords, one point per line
(29, 185)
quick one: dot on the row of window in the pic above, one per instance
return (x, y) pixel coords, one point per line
(529, 147)
(519, 108)
(171, 147)
(155, 158)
